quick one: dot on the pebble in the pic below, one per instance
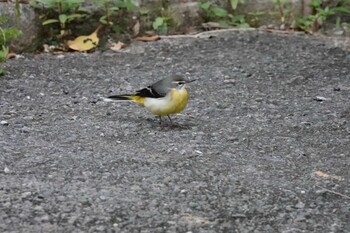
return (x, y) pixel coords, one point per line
(45, 218)
(61, 198)
(25, 129)
(198, 152)
(26, 194)
(4, 123)
(230, 81)
(101, 228)
(6, 170)
(320, 98)
(300, 205)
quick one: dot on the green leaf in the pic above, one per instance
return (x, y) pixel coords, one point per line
(68, 5)
(163, 29)
(341, 9)
(315, 3)
(50, 21)
(278, 1)
(234, 4)
(144, 11)
(100, 3)
(75, 16)
(63, 18)
(2, 72)
(129, 5)
(103, 20)
(158, 22)
(205, 5)
(244, 25)
(219, 12)
(114, 8)
(3, 53)
(337, 22)
(73, 1)
(239, 18)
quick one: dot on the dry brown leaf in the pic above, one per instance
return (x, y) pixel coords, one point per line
(148, 38)
(326, 175)
(117, 46)
(11, 55)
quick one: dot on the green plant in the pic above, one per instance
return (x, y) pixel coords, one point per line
(253, 18)
(112, 7)
(7, 35)
(60, 12)
(161, 24)
(313, 22)
(280, 4)
(161, 17)
(223, 16)
(17, 11)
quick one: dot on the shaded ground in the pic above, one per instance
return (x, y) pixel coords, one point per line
(267, 112)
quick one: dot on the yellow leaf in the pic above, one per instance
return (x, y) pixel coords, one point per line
(84, 43)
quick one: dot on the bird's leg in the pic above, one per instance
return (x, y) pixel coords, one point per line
(160, 120)
(170, 119)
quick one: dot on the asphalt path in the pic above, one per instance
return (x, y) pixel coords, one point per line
(263, 145)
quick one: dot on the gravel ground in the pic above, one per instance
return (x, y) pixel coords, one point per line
(263, 145)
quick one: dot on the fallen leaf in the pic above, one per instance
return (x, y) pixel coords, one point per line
(136, 28)
(46, 48)
(11, 55)
(326, 175)
(148, 38)
(84, 43)
(117, 46)
(54, 48)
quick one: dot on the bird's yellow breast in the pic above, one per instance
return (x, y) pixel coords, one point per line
(179, 99)
(175, 101)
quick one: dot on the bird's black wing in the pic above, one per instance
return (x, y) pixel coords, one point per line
(149, 92)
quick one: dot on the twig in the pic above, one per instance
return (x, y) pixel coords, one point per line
(339, 194)
(206, 34)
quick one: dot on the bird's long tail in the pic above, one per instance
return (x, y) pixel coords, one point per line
(137, 99)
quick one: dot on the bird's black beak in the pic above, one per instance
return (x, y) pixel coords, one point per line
(189, 81)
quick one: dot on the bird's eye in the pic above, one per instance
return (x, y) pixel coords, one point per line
(180, 83)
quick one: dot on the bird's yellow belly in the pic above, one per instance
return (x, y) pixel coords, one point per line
(172, 103)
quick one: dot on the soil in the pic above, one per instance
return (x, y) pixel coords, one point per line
(263, 145)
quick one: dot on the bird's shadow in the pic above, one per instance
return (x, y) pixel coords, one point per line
(169, 126)
(154, 123)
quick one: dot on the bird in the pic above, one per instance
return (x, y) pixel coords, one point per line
(165, 97)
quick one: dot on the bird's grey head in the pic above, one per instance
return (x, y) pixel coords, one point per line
(178, 81)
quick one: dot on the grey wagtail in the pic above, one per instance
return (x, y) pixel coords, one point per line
(163, 98)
